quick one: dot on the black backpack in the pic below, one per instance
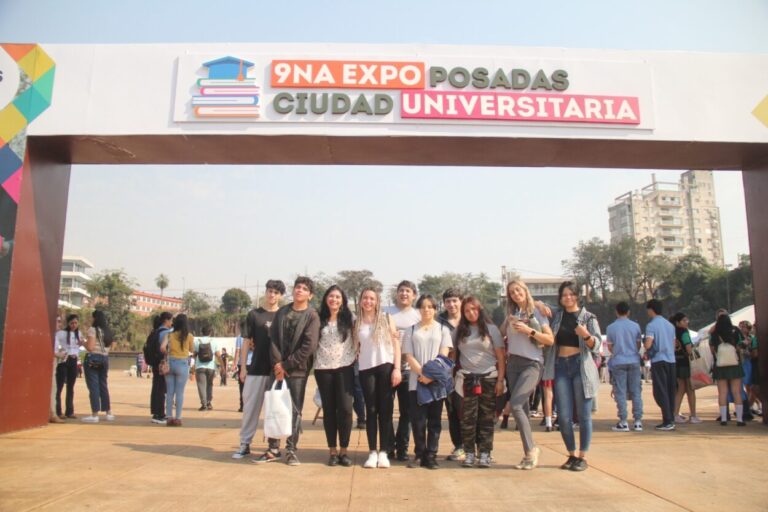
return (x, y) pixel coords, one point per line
(152, 354)
(205, 352)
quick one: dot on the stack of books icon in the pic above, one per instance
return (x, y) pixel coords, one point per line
(227, 92)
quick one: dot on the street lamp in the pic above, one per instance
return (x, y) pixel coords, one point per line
(728, 286)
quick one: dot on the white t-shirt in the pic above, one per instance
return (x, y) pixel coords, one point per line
(374, 353)
(210, 365)
(67, 341)
(404, 319)
(424, 345)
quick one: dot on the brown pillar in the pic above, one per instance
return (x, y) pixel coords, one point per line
(756, 200)
(25, 380)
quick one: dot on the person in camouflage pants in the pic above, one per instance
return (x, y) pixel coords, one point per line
(478, 414)
(480, 352)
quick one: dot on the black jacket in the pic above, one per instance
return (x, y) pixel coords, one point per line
(295, 354)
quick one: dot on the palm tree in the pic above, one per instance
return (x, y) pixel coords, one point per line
(162, 282)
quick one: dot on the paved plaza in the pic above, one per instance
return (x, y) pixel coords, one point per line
(132, 465)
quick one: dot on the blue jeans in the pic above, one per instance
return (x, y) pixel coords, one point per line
(98, 392)
(570, 393)
(175, 382)
(626, 377)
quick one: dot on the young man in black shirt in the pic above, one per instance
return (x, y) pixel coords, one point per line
(294, 335)
(450, 318)
(256, 376)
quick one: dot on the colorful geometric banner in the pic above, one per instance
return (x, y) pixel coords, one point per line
(26, 86)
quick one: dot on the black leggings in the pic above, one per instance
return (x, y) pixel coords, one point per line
(336, 393)
(377, 389)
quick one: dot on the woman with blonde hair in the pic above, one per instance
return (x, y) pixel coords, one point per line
(527, 332)
(378, 346)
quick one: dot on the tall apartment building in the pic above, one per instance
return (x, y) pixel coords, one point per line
(683, 217)
(74, 277)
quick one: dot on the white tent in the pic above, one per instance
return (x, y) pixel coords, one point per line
(747, 313)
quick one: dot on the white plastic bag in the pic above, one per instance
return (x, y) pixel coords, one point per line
(278, 411)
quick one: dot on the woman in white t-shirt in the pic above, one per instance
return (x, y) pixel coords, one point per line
(376, 340)
(481, 358)
(527, 332)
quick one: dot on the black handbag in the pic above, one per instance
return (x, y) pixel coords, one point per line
(96, 361)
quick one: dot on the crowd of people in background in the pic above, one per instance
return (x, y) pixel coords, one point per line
(426, 359)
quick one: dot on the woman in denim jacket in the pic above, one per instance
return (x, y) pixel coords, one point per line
(577, 338)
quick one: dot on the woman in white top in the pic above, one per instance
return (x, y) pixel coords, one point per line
(424, 342)
(527, 332)
(98, 341)
(376, 339)
(68, 343)
(334, 372)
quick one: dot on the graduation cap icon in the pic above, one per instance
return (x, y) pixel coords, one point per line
(228, 68)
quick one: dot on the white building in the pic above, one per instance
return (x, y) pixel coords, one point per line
(682, 217)
(74, 276)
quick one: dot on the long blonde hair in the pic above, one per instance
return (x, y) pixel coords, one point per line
(512, 306)
(380, 320)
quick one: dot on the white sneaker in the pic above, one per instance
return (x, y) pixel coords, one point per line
(383, 461)
(680, 419)
(373, 459)
(638, 427)
(110, 417)
(90, 419)
(695, 420)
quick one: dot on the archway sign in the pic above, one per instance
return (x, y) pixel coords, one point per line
(354, 104)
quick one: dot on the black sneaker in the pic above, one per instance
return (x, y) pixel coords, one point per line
(344, 460)
(415, 463)
(579, 465)
(361, 424)
(430, 463)
(209, 406)
(268, 456)
(665, 427)
(569, 463)
(202, 408)
(333, 460)
(401, 456)
(741, 424)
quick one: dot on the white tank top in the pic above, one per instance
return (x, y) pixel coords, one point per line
(373, 354)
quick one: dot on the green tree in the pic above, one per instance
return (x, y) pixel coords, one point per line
(591, 265)
(478, 285)
(353, 282)
(111, 291)
(162, 282)
(196, 303)
(234, 301)
(322, 283)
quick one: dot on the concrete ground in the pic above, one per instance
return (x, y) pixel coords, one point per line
(132, 464)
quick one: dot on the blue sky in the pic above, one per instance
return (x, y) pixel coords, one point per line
(213, 227)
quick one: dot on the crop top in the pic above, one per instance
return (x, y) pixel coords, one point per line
(566, 334)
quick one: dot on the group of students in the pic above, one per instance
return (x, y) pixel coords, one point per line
(457, 357)
(668, 346)
(67, 344)
(425, 360)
